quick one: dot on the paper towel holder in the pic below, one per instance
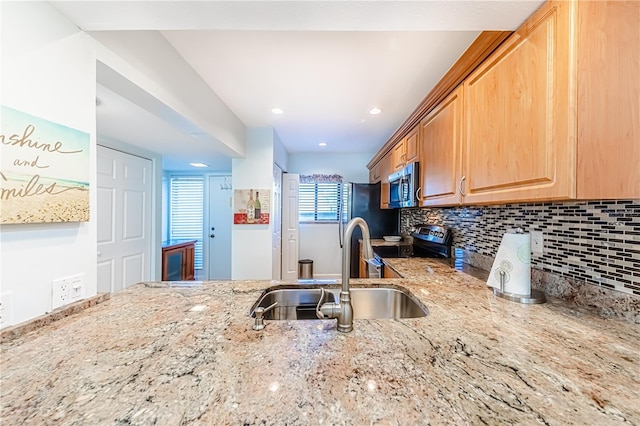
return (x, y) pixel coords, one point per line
(536, 296)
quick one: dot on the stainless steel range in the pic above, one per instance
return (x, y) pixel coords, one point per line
(432, 241)
(429, 240)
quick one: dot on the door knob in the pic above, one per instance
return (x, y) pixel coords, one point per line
(212, 236)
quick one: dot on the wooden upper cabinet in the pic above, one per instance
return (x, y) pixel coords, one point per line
(551, 114)
(411, 145)
(398, 156)
(519, 115)
(374, 173)
(440, 160)
(406, 151)
(608, 99)
(380, 172)
(385, 171)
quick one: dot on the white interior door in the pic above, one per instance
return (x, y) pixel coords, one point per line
(276, 256)
(124, 219)
(290, 228)
(219, 227)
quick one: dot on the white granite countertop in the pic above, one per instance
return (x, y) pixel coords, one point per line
(177, 356)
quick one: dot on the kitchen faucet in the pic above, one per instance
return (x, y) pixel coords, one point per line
(343, 310)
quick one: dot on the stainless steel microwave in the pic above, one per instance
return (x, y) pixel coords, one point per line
(403, 186)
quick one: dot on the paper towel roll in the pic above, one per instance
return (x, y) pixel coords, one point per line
(514, 259)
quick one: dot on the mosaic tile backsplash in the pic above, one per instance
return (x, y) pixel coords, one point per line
(597, 242)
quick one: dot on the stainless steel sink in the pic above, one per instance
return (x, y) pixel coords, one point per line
(379, 303)
(295, 303)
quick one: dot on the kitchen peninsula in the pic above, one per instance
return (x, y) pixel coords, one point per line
(171, 355)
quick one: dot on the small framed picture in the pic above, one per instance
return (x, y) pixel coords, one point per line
(251, 206)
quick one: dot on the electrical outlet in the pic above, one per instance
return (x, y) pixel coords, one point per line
(6, 309)
(67, 289)
(59, 292)
(537, 242)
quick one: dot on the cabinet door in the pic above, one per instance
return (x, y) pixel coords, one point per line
(608, 100)
(519, 114)
(440, 159)
(398, 156)
(412, 145)
(385, 171)
(374, 173)
(362, 272)
(188, 272)
(172, 264)
(389, 272)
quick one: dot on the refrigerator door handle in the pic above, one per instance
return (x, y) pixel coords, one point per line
(341, 213)
(340, 228)
(340, 207)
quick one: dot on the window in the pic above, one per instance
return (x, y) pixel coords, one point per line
(186, 211)
(321, 198)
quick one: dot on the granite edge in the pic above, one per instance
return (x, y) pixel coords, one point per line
(15, 331)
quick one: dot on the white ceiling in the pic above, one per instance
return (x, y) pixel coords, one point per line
(326, 63)
(326, 82)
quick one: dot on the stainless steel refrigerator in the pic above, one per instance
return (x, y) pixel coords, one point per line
(364, 201)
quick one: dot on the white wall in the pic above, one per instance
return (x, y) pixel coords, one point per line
(352, 167)
(48, 70)
(319, 242)
(251, 244)
(280, 154)
(164, 209)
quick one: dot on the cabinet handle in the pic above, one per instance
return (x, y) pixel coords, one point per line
(417, 192)
(460, 187)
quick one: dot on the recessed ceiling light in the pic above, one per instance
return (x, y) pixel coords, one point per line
(277, 110)
(375, 111)
(322, 144)
(198, 165)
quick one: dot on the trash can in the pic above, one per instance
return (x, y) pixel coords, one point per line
(305, 269)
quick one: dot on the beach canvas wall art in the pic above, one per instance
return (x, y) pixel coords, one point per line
(251, 206)
(44, 170)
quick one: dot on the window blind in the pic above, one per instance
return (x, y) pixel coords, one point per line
(321, 202)
(186, 211)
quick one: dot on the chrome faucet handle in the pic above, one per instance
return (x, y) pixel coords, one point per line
(319, 313)
(260, 311)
